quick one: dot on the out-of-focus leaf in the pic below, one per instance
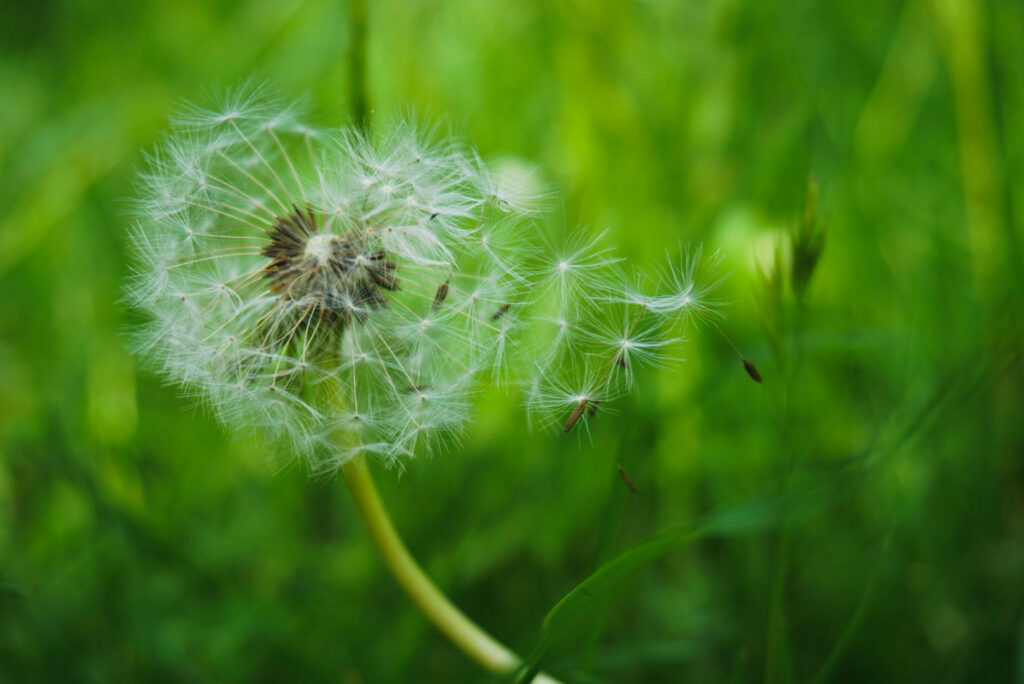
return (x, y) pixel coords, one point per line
(568, 613)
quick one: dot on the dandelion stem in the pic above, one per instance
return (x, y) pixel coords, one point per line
(456, 626)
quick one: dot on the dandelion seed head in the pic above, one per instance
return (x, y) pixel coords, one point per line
(347, 292)
(290, 276)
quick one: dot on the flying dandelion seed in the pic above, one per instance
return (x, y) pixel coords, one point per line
(347, 292)
(601, 328)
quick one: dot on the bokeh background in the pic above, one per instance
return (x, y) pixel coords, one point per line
(883, 454)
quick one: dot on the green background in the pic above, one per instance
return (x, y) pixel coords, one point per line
(139, 542)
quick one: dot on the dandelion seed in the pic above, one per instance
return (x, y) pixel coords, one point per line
(633, 342)
(681, 291)
(576, 414)
(502, 310)
(580, 266)
(440, 295)
(752, 370)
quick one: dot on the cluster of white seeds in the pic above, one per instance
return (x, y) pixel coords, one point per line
(349, 292)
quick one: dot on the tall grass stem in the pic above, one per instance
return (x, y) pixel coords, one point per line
(358, 17)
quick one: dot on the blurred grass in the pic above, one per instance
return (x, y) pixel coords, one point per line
(138, 542)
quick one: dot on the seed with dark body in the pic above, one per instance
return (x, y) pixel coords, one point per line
(440, 296)
(502, 310)
(752, 370)
(576, 414)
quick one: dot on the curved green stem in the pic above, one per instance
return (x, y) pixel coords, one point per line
(456, 626)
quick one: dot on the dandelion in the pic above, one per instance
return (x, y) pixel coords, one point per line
(347, 292)
(336, 289)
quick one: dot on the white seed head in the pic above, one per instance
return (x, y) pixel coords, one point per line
(348, 292)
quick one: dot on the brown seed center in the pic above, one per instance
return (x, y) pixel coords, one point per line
(331, 277)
